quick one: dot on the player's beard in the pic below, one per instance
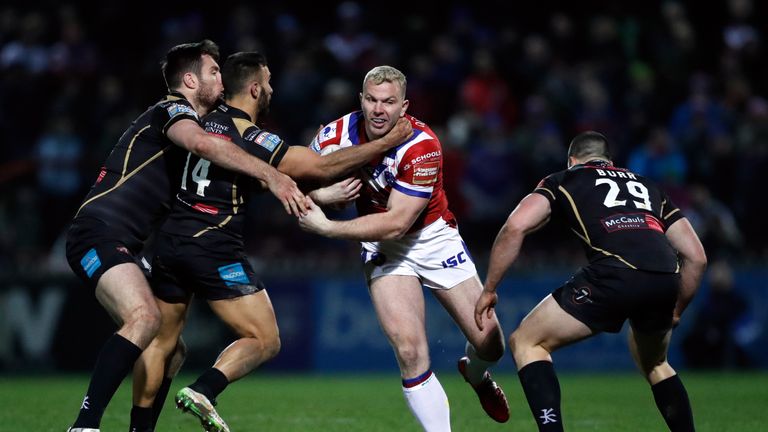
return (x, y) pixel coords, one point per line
(207, 96)
(263, 106)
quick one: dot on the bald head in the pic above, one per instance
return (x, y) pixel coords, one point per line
(589, 145)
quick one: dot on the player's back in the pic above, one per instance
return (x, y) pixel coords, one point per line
(620, 216)
(211, 198)
(134, 188)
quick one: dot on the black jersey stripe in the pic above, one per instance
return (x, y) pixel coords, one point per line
(123, 179)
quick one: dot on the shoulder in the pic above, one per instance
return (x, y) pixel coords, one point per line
(174, 106)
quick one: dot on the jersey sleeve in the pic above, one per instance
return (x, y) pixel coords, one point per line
(548, 187)
(419, 170)
(265, 145)
(172, 111)
(669, 212)
(327, 137)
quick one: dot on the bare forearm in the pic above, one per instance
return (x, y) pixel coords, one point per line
(505, 251)
(229, 156)
(372, 227)
(342, 162)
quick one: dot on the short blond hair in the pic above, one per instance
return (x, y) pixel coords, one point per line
(381, 74)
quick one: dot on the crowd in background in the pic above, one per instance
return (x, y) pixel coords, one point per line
(679, 91)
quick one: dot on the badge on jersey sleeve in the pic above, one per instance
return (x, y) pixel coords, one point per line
(268, 141)
(176, 109)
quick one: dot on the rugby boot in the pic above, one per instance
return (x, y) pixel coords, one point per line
(491, 396)
(196, 403)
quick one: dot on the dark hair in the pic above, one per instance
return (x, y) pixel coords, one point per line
(240, 67)
(588, 144)
(186, 58)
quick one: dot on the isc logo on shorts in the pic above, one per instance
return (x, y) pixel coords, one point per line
(233, 274)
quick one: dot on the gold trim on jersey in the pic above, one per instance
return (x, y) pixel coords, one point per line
(661, 211)
(554, 198)
(234, 195)
(130, 147)
(123, 179)
(219, 226)
(671, 213)
(585, 237)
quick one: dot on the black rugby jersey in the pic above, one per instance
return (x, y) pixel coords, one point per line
(620, 216)
(136, 185)
(212, 199)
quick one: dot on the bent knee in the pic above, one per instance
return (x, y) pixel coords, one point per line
(146, 320)
(271, 346)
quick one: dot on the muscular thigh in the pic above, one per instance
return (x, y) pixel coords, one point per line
(251, 315)
(122, 290)
(459, 302)
(399, 305)
(549, 326)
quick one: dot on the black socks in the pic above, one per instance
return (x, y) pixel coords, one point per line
(543, 393)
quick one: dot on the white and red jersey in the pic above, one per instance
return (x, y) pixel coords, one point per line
(414, 168)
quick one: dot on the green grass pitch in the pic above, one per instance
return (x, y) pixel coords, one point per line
(722, 402)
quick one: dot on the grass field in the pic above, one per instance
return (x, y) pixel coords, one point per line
(284, 403)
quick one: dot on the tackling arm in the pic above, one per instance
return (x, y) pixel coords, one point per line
(303, 163)
(190, 136)
(531, 214)
(693, 261)
(402, 212)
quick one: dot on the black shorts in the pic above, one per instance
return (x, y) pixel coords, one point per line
(603, 297)
(93, 248)
(186, 266)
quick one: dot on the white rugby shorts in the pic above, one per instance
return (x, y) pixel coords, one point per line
(436, 255)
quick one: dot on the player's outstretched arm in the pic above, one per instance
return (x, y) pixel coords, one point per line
(190, 136)
(341, 192)
(529, 215)
(402, 212)
(303, 163)
(693, 262)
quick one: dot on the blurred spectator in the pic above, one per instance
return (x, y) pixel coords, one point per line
(28, 50)
(723, 325)
(351, 44)
(660, 160)
(714, 223)
(58, 152)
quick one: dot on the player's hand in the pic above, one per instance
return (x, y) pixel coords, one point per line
(341, 192)
(485, 306)
(399, 134)
(676, 318)
(286, 190)
(314, 220)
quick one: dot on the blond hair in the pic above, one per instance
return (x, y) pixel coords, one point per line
(381, 74)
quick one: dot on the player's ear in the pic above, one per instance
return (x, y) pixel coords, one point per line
(255, 89)
(190, 80)
(404, 108)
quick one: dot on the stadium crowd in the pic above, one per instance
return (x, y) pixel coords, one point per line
(676, 89)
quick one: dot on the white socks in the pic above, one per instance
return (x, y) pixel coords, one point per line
(428, 402)
(477, 366)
